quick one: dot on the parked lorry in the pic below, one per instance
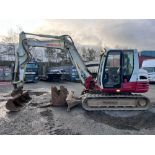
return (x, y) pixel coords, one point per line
(146, 55)
(74, 74)
(60, 73)
(93, 68)
(31, 74)
(149, 66)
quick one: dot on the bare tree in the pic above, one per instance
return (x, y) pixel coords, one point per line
(91, 54)
(9, 43)
(84, 53)
(57, 56)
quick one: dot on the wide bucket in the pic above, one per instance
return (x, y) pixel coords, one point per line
(18, 102)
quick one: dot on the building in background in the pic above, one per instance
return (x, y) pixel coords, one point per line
(5, 73)
(7, 52)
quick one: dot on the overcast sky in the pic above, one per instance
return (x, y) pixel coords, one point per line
(138, 34)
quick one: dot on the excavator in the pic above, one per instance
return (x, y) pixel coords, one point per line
(119, 84)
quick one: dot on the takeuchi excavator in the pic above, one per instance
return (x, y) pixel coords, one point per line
(118, 86)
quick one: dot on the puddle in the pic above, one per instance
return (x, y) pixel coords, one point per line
(33, 104)
(37, 93)
(145, 120)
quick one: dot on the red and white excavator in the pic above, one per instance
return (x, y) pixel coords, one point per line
(118, 85)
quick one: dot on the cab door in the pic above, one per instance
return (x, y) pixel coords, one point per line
(112, 70)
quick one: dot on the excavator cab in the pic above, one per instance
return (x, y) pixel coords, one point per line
(118, 69)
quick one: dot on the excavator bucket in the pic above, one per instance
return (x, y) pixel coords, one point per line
(18, 101)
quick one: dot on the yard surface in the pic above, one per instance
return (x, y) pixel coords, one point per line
(34, 120)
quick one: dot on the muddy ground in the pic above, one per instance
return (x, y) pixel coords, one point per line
(38, 120)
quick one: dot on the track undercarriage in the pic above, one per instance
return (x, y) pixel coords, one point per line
(98, 102)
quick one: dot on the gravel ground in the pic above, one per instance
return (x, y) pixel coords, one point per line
(34, 120)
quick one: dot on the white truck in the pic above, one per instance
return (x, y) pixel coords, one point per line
(149, 66)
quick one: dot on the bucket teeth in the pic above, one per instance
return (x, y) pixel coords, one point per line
(18, 101)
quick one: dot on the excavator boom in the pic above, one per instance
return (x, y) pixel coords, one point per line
(23, 56)
(63, 42)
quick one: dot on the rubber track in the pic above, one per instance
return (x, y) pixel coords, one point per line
(88, 96)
